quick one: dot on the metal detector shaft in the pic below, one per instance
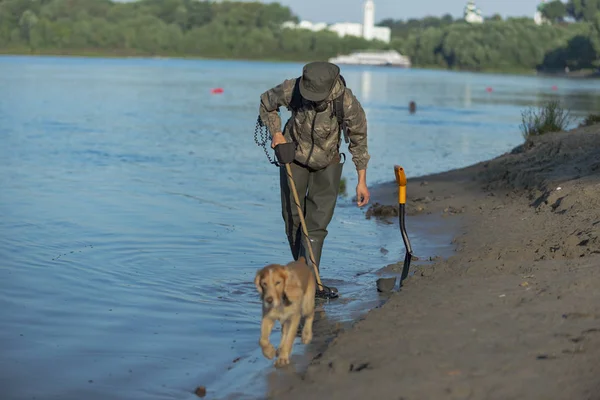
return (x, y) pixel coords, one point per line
(401, 181)
(303, 223)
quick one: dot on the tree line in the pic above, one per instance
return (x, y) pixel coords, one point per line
(253, 30)
(570, 37)
(163, 27)
(515, 44)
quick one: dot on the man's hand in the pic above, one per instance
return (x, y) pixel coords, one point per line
(362, 192)
(277, 139)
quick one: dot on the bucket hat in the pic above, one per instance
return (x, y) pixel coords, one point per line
(318, 79)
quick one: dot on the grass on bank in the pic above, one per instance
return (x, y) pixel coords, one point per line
(590, 120)
(551, 117)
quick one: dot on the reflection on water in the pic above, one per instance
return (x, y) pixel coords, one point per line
(467, 97)
(365, 86)
(136, 209)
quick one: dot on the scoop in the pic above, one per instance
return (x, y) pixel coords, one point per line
(386, 284)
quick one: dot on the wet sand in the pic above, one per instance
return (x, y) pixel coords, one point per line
(514, 313)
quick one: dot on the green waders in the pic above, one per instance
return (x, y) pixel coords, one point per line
(318, 192)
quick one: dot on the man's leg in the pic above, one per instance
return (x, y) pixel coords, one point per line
(289, 210)
(323, 190)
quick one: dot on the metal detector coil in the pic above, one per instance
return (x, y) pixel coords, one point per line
(285, 152)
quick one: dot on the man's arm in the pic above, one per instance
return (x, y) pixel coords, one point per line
(356, 128)
(271, 100)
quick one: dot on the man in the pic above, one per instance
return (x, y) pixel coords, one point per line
(316, 100)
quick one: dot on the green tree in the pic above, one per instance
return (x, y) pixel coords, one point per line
(253, 30)
(495, 17)
(583, 10)
(595, 39)
(555, 11)
(199, 13)
(26, 23)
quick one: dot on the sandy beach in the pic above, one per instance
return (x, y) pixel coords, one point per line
(514, 313)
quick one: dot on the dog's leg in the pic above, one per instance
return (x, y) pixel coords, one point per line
(265, 331)
(308, 312)
(286, 350)
(307, 329)
(284, 331)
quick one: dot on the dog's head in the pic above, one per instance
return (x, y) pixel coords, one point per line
(271, 282)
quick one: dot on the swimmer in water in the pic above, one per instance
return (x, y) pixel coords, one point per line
(412, 107)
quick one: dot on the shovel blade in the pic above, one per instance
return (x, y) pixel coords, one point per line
(408, 253)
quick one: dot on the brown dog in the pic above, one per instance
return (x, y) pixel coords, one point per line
(288, 294)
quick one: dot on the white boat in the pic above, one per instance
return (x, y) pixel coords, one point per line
(373, 57)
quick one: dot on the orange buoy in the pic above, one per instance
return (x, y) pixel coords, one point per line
(489, 89)
(554, 87)
(216, 90)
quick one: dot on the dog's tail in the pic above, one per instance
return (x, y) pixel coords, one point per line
(302, 259)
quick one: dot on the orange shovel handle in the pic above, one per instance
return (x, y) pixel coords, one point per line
(401, 181)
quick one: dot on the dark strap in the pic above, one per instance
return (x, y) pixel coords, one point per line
(295, 106)
(338, 110)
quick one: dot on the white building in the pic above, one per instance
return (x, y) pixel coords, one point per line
(368, 20)
(305, 25)
(347, 29)
(538, 18)
(472, 13)
(366, 30)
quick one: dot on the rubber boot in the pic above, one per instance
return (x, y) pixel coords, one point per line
(323, 190)
(317, 248)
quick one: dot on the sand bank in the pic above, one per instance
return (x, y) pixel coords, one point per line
(514, 313)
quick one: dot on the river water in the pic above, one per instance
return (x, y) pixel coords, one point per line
(135, 209)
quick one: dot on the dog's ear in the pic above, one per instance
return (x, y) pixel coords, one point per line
(257, 281)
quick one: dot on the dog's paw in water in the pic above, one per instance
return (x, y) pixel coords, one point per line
(306, 336)
(282, 360)
(269, 351)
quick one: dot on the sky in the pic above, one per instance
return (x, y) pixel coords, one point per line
(351, 10)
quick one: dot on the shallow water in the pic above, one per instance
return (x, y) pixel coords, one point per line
(135, 209)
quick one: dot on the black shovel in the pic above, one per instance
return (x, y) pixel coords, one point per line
(401, 181)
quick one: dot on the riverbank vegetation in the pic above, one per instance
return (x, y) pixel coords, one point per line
(248, 30)
(550, 117)
(516, 43)
(252, 30)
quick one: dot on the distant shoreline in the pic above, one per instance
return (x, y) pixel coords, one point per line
(129, 54)
(124, 54)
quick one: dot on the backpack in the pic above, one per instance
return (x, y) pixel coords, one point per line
(338, 106)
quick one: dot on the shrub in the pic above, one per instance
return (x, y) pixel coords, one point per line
(551, 117)
(591, 119)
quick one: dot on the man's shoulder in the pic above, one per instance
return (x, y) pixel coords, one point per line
(290, 83)
(283, 90)
(288, 86)
(348, 93)
(350, 100)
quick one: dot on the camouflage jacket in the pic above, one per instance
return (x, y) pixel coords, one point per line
(316, 134)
